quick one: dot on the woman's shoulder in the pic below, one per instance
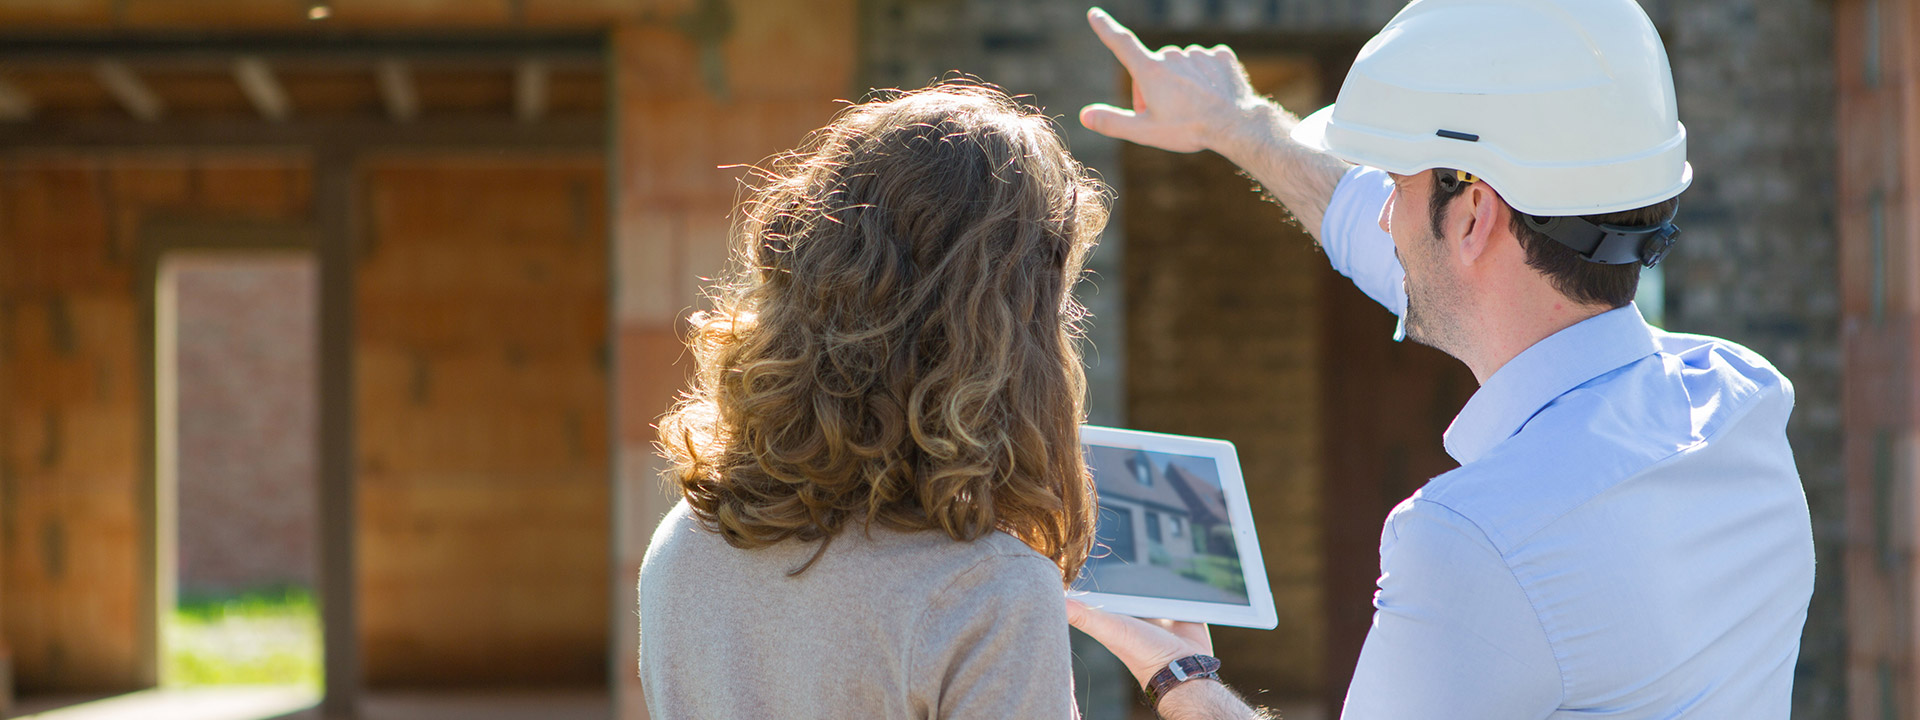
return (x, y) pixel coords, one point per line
(931, 556)
(676, 534)
(860, 555)
(1012, 556)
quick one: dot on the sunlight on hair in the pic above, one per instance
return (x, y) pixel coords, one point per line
(895, 342)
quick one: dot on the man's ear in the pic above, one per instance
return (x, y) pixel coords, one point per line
(1484, 215)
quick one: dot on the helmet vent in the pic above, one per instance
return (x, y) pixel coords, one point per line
(1457, 135)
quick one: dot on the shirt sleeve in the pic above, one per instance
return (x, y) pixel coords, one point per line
(1356, 246)
(994, 644)
(1454, 634)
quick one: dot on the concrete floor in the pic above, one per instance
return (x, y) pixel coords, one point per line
(480, 705)
(273, 703)
(227, 703)
(243, 703)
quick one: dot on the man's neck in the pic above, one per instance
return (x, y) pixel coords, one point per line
(1504, 332)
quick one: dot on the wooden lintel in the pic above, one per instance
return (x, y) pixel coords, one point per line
(530, 90)
(556, 133)
(16, 105)
(397, 90)
(569, 47)
(257, 81)
(129, 90)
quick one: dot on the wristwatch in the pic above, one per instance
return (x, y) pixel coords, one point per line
(1191, 667)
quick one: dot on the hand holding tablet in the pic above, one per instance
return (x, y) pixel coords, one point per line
(1176, 537)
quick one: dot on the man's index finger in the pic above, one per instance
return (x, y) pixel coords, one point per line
(1124, 44)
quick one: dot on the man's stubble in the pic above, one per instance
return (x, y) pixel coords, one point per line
(1435, 299)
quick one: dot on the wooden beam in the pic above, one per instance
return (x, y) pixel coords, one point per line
(334, 181)
(530, 90)
(559, 133)
(397, 90)
(15, 104)
(568, 48)
(262, 88)
(129, 90)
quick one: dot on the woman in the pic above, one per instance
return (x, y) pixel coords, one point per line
(883, 493)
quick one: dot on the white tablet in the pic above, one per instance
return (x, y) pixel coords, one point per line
(1176, 536)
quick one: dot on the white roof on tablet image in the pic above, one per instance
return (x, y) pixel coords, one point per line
(1115, 471)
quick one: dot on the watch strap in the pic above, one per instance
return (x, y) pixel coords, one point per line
(1191, 667)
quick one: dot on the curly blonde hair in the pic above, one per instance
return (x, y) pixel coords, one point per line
(898, 342)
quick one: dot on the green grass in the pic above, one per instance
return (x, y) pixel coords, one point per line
(1220, 572)
(268, 637)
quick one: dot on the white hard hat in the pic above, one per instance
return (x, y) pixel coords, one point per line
(1565, 107)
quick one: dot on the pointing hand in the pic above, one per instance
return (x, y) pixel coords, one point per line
(1184, 99)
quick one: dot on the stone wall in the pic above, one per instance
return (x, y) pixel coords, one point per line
(1877, 63)
(74, 503)
(481, 421)
(246, 484)
(1757, 261)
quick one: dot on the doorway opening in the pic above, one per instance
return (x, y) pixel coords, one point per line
(236, 362)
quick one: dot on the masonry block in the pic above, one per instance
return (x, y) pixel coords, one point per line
(484, 535)
(788, 49)
(250, 187)
(654, 62)
(492, 541)
(644, 245)
(71, 618)
(654, 368)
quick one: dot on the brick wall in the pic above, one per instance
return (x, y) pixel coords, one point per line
(246, 491)
(1877, 54)
(481, 421)
(72, 510)
(685, 104)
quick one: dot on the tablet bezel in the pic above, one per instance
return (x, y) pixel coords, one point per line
(1259, 612)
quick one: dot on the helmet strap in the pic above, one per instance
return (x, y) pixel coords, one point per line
(1608, 244)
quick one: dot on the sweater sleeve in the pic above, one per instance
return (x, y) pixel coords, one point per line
(993, 644)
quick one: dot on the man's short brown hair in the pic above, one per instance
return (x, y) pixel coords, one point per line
(1584, 282)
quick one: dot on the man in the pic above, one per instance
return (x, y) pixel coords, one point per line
(1626, 536)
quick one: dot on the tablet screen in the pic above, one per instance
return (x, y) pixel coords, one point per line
(1175, 537)
(1164, 529)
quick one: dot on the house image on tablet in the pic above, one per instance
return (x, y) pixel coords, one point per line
(1163, 524)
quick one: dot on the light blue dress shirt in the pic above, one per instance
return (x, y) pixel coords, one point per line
(1626, 536)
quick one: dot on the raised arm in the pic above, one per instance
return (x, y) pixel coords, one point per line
(1194, 98)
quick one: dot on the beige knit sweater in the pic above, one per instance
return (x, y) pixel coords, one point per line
(885, 625)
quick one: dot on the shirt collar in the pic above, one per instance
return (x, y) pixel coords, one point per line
(1538, 375)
